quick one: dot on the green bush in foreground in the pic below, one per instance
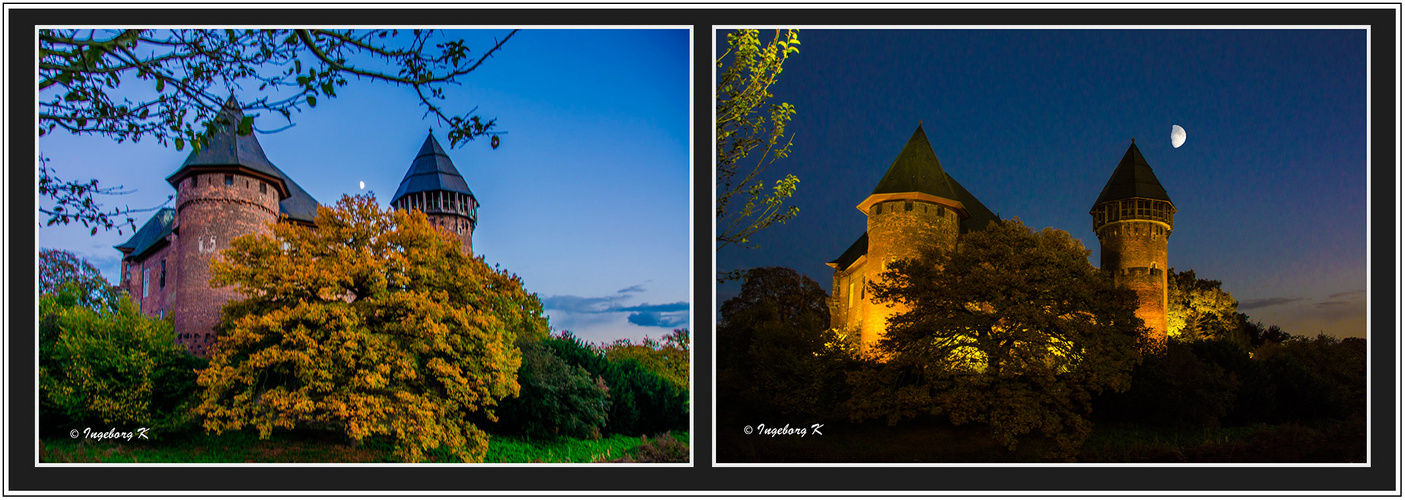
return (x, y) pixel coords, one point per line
(110, 367)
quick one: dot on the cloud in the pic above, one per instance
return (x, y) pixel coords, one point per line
(1347, 294)
(1268, 302)
(573, 311)
(633, 289)
(657, 319)
(1329, 304)
(656, 308)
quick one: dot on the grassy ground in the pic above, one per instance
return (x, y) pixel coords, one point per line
(314, 447)
(934, 441)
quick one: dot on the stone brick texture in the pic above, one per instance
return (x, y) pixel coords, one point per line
(1134, 251)
(211, 213)
(458, 226)
(897, 229)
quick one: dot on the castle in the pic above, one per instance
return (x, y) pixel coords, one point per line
(228, 189)
(919, 205)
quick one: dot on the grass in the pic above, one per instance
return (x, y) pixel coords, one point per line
(318, 447)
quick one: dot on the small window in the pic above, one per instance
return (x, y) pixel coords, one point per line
(229, 180)
(941, 211)
(145, 281)
(194, 180)
(907, 207)
(263, 188)
(163, 273)
(161, 314)
(878, 209)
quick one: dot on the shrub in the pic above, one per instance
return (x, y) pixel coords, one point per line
(110, 367)
(557, 399)
(641, 402)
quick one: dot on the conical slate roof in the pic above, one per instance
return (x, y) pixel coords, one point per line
(431, 170)
(916, 169)
(227, 148)
(979, 215)
(1132, 179)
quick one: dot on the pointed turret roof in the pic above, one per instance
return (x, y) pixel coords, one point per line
(227, 148)
(916, 169)
(979, 215)
(1132, 179)
(431, 170)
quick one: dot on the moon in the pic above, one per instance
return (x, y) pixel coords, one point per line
(1177, 136)
(363, 183)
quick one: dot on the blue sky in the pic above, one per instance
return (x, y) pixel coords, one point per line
(587, 198)
(1270, 185)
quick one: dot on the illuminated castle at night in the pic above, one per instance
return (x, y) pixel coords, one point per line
(229, 189)
(919, 205)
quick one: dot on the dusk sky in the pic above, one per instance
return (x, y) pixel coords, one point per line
(587, 198)
(1270, 184)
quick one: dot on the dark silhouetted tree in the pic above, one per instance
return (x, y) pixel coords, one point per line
(1014, 329)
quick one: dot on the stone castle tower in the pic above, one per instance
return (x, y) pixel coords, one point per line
(916, 205)
(434, 186)
(229, 189)
(1133, 218)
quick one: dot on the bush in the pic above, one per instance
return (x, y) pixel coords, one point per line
(641, 402)
(1175, 388)
(557, 399)
(110, 367)
(662, 449)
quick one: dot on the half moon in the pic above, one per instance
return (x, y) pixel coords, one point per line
(1177, 136)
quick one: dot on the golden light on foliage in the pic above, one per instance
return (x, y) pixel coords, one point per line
(372, 323)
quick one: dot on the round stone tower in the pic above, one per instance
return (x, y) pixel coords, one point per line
(434, 186)
(225, 190)
(1133, 218)
(916, 206)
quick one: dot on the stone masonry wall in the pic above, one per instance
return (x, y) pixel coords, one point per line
(896, 230)
(212, 209)
(1135, 252)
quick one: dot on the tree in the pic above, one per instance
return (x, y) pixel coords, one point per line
(371, 323)
(557, 398)
(109, 366)
(667, 357)
(1198, 309)
(749, 135)
(177, 81)
(58, 268)
(776, 355)
(1014, 329)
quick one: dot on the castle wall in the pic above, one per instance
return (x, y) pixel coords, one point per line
(458, 227)
(1134, 251)
(897, 229)
(213, 209)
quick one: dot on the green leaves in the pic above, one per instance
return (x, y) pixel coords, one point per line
(749, 128)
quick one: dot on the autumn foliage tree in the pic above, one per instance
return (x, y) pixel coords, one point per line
(371, 323)
(1013, 329)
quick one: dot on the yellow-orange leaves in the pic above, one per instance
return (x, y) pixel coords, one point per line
(372, 323)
